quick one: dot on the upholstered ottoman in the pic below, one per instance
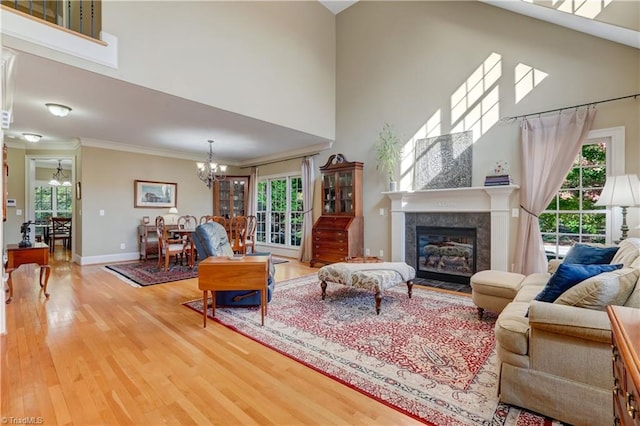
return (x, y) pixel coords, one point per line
(371, 276)
(493, 290)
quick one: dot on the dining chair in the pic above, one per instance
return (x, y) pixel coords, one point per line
(238, 234)
(187, 223)
(205, 219)
(250, 238)
(222, 221)
(60, 230)
(168, 247)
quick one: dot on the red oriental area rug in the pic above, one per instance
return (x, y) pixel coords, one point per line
(147, 273)
(429, 356)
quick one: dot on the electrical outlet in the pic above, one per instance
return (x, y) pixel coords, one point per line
(381, 253)
(101, 212)
(382, 211)
(367, 252)
(122, 246)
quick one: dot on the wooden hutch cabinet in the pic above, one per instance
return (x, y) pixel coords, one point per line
(339, 232)
(230, 196)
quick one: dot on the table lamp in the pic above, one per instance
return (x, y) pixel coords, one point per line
(621, 191)
(171, 218)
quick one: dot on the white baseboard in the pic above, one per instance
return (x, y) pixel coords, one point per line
(106, 258)
(278, 251)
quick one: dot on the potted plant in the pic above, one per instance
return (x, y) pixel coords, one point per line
(389, 151)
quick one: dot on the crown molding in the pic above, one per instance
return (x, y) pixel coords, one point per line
(17, 143)
(115, 146)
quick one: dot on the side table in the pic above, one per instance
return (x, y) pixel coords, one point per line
(38, 253)
(218, 273)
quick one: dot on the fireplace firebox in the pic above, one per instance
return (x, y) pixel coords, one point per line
(446, 253)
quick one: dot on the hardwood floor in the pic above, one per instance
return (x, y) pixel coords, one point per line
(102, 352)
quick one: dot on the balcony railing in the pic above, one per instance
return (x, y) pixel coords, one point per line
(81, 16)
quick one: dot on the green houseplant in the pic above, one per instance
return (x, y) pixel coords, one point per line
(389, 152)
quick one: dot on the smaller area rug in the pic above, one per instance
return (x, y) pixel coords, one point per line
(146, 272)
(429, 356)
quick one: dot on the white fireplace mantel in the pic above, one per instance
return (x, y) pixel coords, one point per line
(493, 199)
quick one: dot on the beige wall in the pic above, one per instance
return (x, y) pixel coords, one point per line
(108, 184)
(269, 60)
(15, 190)
(401, 62)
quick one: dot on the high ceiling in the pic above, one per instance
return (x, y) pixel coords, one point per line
(112, 113)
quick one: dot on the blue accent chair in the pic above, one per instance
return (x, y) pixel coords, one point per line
(211, 239)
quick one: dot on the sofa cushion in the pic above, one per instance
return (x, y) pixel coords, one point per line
(629, 251)
(528, 293)
(588, 254)
(607, 288)
(512, 328)
(634, 299)
(569, 275)
(537, 279)
(496, 283)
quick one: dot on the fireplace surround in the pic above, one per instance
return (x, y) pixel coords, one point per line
(493, 203)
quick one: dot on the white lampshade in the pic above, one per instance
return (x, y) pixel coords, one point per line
(173, 210)
(622, 191)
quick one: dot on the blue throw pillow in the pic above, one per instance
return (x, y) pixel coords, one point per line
(566, 276)
(586, 254)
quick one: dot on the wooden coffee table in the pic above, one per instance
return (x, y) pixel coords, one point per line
(217, 273)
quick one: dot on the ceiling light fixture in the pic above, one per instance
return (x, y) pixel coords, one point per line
(59, 176)
(210, 171)
(58, 110)
(31, 137)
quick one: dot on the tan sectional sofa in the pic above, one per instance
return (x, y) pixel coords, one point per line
(555, 358)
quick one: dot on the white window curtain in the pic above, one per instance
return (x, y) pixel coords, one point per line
(549, 147)
(308, 183)
(253, 192)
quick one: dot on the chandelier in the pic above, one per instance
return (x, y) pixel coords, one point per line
(59, 176)
(210, 171)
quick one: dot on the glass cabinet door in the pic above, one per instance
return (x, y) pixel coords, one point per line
(346, 192)
(329, 195)
(224, 198)
(239, 186)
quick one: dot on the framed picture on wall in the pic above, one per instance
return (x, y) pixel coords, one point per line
(155, 194)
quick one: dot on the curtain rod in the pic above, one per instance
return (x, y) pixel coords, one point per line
(515, 117)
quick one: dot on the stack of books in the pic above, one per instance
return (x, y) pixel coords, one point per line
(497, 180)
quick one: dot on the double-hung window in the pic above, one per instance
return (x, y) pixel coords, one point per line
(572, 215)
